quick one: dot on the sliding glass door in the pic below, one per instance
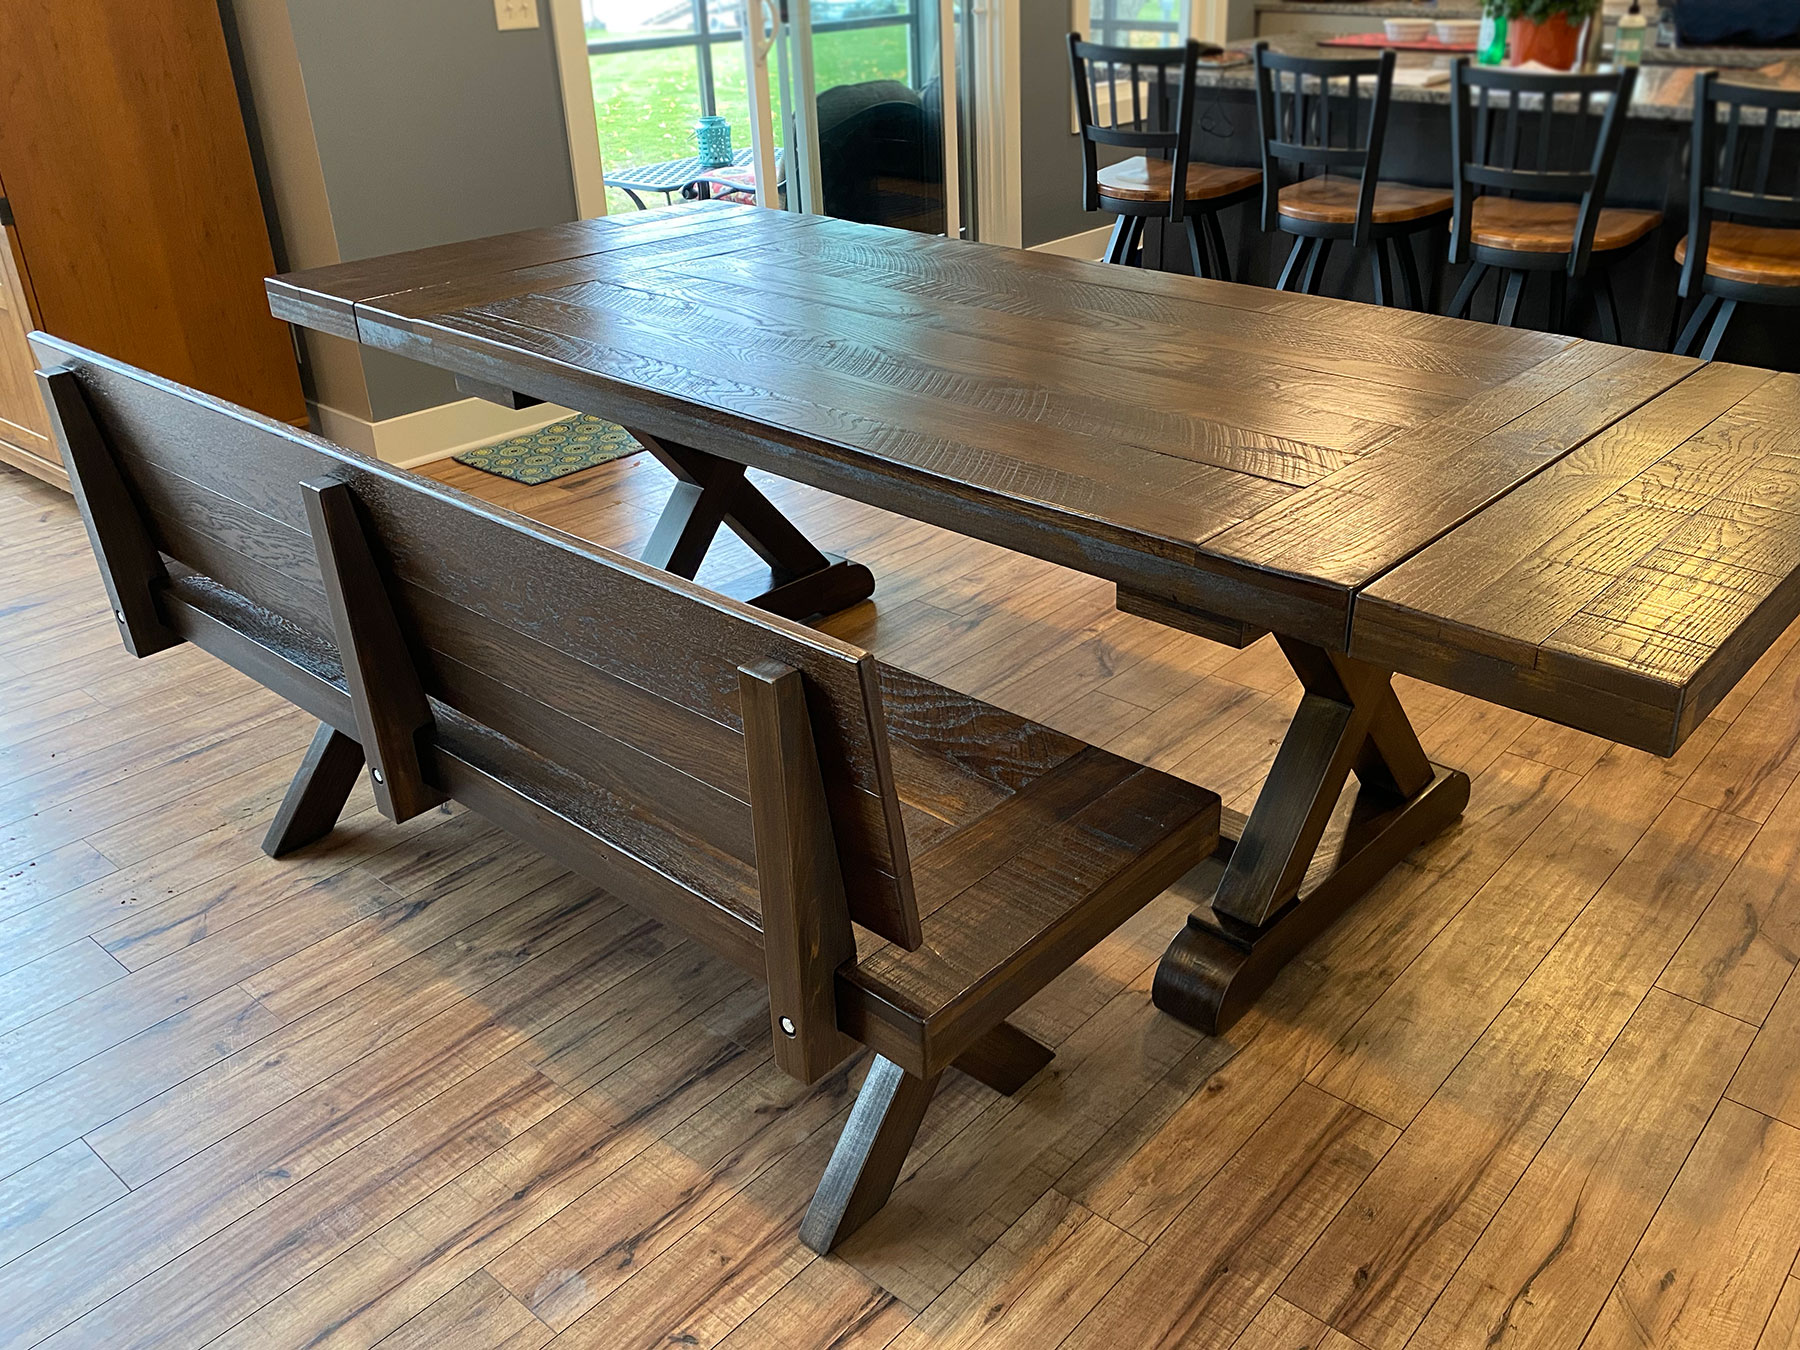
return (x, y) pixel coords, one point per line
(854, 112)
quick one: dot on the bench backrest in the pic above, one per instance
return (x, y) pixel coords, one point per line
(603, 691)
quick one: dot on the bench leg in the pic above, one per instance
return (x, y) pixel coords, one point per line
(710, 492)
(1005, 1059)
(869, 1154)
(1274, 895)
(317, 794)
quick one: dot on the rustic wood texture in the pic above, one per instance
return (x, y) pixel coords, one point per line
(317, 795)
(1036, 846)
(1138, 179)
(1759, 255)
(1332, 201)
(1335, 454)
(461, 1093)
(806, 928)
(1522, 226)
(1640, 574)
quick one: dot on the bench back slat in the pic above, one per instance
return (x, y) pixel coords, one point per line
(623, 676)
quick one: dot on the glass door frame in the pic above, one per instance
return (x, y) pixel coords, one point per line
(785, 28)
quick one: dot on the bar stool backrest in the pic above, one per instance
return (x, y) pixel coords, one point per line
(1123, 98)
(1542, 135)
(1735, 171)
(1310, 113)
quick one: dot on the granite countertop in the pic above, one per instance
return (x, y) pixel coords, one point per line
(1371, 9)
(1664, 90)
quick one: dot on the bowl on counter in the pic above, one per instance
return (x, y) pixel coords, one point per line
(1458, 32)
(1408, 30)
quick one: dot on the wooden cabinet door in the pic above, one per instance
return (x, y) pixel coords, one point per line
(24, 429)
(133, 194)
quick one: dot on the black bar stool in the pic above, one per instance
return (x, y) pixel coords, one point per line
(1533, 198)
(1141, 187)
(1304, 123)
(1724, 259)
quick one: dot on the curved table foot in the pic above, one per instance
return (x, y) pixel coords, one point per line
(1216, 966)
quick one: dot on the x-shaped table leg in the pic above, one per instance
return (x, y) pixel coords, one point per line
(710, 492)
(1275, 894)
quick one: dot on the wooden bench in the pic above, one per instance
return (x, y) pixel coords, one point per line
(904, 865)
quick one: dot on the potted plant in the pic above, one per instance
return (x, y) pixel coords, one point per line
(1550, 32)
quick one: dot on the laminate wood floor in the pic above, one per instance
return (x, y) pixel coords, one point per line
(417, 1087)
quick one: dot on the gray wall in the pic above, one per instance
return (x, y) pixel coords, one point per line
(1049, 153)
(432, 127)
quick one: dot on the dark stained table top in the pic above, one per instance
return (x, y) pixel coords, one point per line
(1593, 533)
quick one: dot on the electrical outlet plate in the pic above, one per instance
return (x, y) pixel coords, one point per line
(509, 14)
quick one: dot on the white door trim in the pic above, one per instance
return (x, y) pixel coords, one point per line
(569, 37)
(998, 187)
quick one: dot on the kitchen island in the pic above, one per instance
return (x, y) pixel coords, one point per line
(1651, 171)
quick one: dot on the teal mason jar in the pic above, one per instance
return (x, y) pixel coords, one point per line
(713, 134)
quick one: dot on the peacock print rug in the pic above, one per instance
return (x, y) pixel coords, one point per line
(552, 452)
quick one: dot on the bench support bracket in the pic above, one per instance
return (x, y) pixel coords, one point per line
(1276, 894)
(869, 1154)
(393, 715)
(317, 794)
(801, 582)
(130, 565)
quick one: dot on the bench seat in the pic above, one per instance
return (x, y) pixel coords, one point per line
(903, 865)
(1039, 845)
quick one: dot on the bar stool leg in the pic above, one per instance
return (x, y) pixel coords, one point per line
(1509, 301)
(1134, 249)
(1717, 331)
(1296, 259)
(1196, 249)
(1315, 267)
(1696, 322)
(1605, 307)
(1215, 234)
(1378, 271)
(1117, 246)
(1409, 273)
(1465, 293)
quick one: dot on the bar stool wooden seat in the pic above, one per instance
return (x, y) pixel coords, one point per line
(1303, 122)
(1561, 224)
(1123, 97)
(1725, 260)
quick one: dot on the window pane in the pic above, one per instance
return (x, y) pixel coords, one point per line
(1137, 23)
(623, 20)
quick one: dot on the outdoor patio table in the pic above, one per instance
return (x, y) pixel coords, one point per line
(668, 177)
(1601, 536)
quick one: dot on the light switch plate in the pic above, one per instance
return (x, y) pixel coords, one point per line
(515, 14)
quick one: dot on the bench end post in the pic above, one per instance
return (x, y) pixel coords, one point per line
(393, 715)
(805, 917)
(130, 565)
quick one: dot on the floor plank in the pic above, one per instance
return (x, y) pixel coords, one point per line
(1717, 1256)
(415, 1086)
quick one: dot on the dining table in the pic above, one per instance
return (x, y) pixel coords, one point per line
(1601, 536)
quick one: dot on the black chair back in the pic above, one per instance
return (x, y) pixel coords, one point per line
(1542, 135)
(1304, 121)
(1734, 164)
(1124, 96)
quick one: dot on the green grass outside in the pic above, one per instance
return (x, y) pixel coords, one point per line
(645, 103)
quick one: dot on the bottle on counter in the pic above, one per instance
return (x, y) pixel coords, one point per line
(1628, 43)
(1490, 45)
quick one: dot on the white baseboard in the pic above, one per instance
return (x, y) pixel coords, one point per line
(432, 433)
(1089, 244)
